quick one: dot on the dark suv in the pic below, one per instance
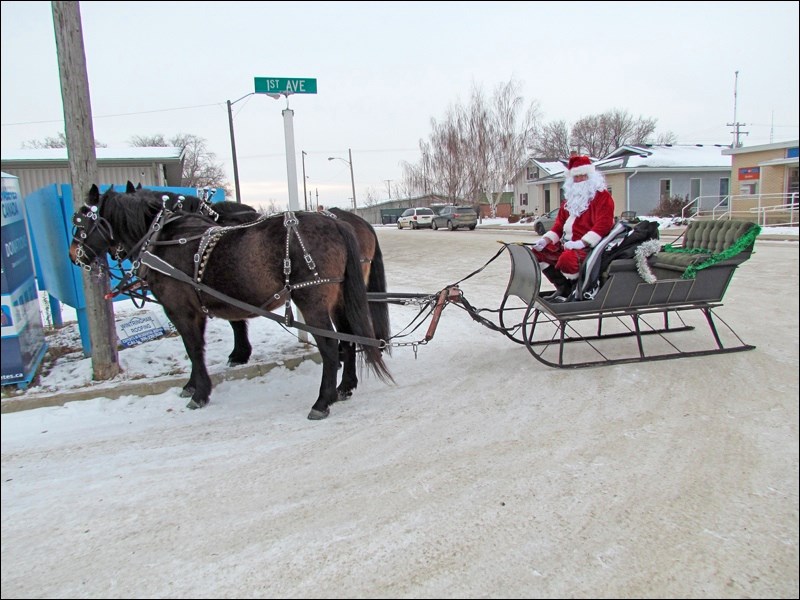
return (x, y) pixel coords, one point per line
(454, 217)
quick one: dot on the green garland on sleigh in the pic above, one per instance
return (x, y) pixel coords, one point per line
(739, 245)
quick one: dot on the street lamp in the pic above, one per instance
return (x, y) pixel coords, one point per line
(352, 179)
(233, 146)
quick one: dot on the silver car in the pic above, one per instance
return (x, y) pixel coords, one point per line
(454, 217)
(542, 225)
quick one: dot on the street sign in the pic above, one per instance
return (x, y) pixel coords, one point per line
(285, 85)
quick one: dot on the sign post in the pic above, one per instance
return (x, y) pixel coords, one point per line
(287, 86)
(276, 87)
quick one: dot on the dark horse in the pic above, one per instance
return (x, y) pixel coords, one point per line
(197, 269)
(224, 213)
(371, 258)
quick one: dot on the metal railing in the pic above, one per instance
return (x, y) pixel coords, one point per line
(768, 210)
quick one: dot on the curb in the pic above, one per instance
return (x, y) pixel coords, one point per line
(146, 388)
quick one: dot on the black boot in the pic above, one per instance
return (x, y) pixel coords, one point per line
(563, 285)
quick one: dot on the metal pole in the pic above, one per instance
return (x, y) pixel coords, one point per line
(352, 179)
(291, 161)
(305, 195)
(233, 146)
(233, 152)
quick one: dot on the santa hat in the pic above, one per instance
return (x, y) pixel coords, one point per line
(579, 165)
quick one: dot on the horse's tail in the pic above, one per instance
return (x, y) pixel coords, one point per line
(356, 309)
(379, 311)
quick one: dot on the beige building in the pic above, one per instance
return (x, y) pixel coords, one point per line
(156, 166)
(764, 182)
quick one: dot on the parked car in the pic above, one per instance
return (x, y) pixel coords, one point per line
(415, 218)
(542, 224)
(454, 217)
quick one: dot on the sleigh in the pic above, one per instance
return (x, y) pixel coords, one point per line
(633, 310)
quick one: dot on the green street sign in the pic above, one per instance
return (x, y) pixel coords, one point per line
(285, 85)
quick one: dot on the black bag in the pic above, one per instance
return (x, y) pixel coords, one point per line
(643, 231)
(621, 242)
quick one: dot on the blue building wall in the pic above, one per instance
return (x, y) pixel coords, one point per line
(644, 188)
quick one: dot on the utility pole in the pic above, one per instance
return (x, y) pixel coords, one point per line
(389, 186)
(305, 195)
(83, 173)
(736, 125)
(352, 179)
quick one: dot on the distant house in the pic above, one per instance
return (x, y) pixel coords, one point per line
(157, 166)
(537, 187)
(637, 176)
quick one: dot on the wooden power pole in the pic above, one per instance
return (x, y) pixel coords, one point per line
(83, 172)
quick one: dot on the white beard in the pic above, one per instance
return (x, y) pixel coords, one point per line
(579, 195)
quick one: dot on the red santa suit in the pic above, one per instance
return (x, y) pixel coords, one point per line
(589, 222)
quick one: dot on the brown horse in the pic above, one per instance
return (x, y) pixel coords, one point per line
(197, 269)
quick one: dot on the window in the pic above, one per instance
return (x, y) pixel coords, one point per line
(532, 173)
(523, 199)
(665, 192)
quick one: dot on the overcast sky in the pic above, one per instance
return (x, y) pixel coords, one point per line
(385, 69)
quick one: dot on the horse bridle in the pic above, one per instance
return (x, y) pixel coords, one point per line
(85, 222)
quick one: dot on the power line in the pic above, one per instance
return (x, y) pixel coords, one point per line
(144, 112)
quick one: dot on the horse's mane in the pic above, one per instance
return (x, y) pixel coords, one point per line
(131, 215)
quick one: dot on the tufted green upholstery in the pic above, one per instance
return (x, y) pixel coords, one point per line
(715, 236)
(704, 240)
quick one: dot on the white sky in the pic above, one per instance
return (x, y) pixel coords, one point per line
(385, 69)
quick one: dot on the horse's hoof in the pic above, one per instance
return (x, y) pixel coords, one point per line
(342, 395)
(194, 404)
(235, 363)
(318, 415)
(187, 392)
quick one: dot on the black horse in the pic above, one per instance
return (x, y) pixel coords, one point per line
(233, 213)
(223, 213)
(240, 272)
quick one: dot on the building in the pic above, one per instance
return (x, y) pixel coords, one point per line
(638, 177)
(150, 166)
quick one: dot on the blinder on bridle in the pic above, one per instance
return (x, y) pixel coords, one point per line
(85, 222)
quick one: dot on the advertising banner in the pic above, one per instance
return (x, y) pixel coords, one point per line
(23, 344)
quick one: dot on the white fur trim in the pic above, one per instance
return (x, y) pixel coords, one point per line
(570, 275)
(582, 170)
(591, 239)
(551, 236)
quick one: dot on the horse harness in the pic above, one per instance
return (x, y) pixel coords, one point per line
(208, 241)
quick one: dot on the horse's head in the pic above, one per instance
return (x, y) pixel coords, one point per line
(92, 236)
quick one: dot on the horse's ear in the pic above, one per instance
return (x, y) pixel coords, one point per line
(93, 197)
(138, 187)
(129, 189)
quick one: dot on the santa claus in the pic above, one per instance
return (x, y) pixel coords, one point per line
(584, 218)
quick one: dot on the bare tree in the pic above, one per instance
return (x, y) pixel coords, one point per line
(476, 150)
(200, 168)
(59, 141)
(596, 135)
(551, 141)
(371, 198)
